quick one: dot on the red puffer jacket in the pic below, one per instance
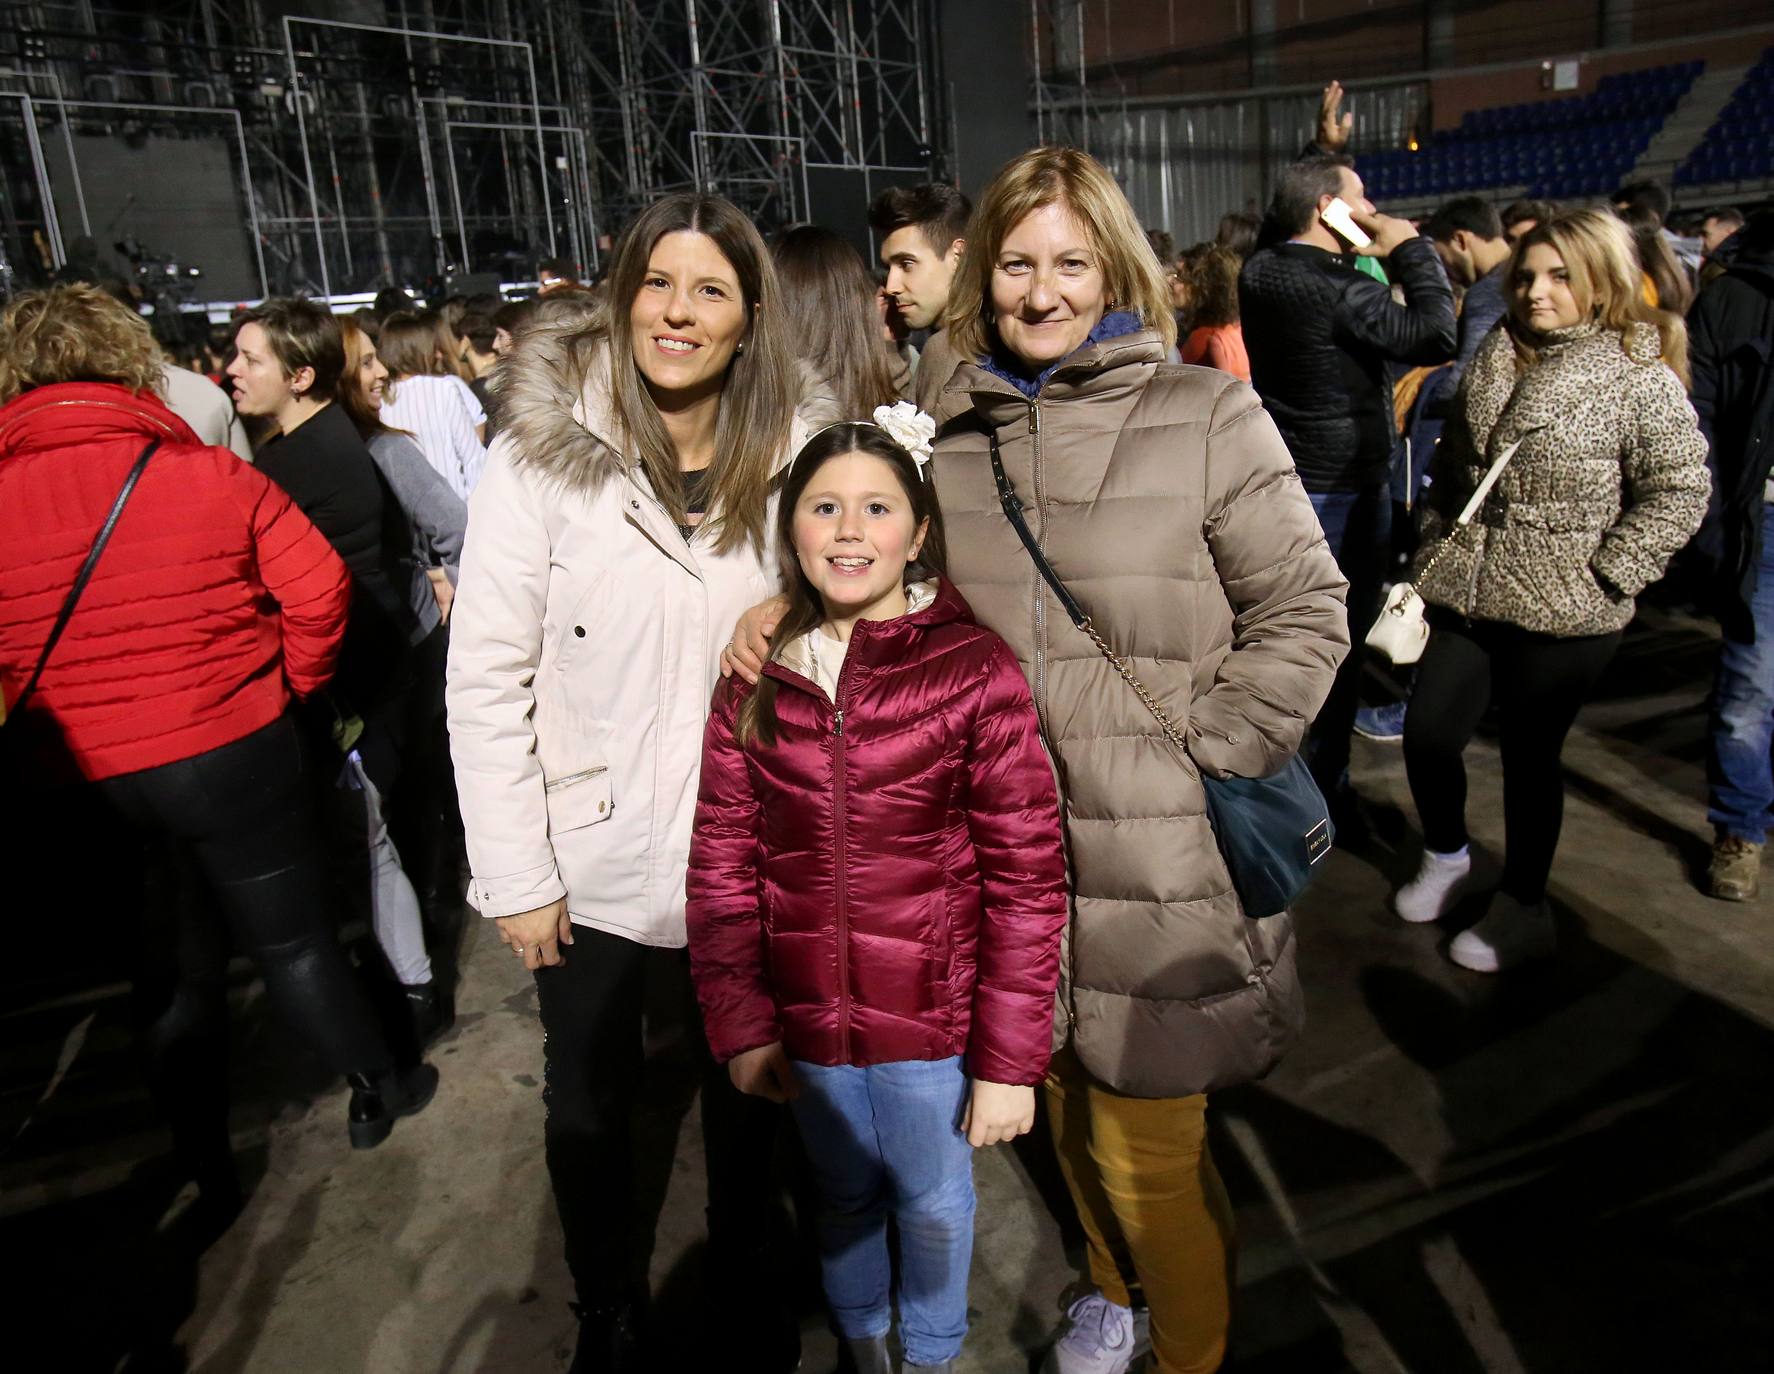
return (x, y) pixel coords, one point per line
(213, 601)
(885, 882)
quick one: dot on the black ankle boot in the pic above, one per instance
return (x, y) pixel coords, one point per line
(378, 1101)
(431, 1011)
(609, 1339)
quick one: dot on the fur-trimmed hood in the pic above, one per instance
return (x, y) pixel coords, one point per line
(556, 410)
(557, 406)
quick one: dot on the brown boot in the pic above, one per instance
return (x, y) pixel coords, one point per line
(1735, 874)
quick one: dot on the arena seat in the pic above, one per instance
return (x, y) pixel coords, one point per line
(1740, 143)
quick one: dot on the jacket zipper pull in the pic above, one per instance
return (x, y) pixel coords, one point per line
(838, 724)
(1034, 417)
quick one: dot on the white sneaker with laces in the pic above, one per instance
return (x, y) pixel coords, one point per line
(1099, 1339)
(1430, 895)
(1509, 934)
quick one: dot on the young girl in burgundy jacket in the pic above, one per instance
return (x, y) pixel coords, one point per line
(876, 886)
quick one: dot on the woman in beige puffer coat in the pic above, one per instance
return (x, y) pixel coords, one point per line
(1168, 504)
(1579, 395)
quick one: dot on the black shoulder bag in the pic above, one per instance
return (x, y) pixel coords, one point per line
(1271, 831)
(82, 578)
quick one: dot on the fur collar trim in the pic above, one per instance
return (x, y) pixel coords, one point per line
(558, 412)
(555, 406)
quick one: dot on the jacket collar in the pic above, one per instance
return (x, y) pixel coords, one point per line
(1096, 368)
(1114, 325)
(933, 603)
(67, 413)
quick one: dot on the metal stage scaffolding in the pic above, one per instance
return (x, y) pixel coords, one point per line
(421, 141)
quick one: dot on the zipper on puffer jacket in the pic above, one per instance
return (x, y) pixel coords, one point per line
(1041, 540)
(572, 778)
(840, 855)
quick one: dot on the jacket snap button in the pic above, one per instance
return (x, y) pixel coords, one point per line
(579, 630)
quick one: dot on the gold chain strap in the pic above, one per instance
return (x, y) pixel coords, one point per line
(1119, 664)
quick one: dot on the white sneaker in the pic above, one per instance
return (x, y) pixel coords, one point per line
(1509, 934)
(1100, 1338)
(1429, 895)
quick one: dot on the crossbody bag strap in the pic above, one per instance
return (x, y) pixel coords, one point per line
(85, 574)
(1471, 508)
(1013, 512)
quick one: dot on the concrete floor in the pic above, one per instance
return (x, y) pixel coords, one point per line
(1563, 1169)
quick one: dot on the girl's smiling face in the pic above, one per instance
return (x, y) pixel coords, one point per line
(1542, 296)
(854, 534)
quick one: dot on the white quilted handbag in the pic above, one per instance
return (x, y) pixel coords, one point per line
(1402, 632)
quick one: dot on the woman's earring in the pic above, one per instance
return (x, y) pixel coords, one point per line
(739, 347)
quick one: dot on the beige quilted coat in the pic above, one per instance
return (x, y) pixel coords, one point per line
(1167, 502)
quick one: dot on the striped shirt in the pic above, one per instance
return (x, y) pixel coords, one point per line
(441, 413)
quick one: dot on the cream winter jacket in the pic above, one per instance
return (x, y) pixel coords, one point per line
(584, 651)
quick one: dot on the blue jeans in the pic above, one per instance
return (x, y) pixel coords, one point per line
(1358, 527)
(1741, 794)
(883, 1140)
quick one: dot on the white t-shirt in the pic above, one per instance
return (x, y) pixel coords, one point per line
(441, 413)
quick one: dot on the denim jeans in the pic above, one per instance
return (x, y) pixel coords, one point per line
(1358, 527)
(1741, 792)
(886, 1140)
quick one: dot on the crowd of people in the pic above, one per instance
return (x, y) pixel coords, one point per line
(725, 605)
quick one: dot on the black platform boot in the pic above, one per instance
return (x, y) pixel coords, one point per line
(378, 1101)
(609, 1339)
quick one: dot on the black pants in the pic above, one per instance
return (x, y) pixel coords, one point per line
(242, 820)
(591, 1023)
(1540, 682)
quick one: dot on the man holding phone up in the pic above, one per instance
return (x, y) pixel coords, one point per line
(1321, 335)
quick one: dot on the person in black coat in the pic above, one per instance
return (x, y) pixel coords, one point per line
(1321, 334)
(1731, 343)
(290, 358)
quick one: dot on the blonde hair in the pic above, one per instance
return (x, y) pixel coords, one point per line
(1605, 282)
(75, 333)
(1132, 277)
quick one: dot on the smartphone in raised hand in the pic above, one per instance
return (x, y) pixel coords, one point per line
(1338, 217)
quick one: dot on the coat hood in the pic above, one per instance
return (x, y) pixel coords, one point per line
(555, 407)
(68, 413)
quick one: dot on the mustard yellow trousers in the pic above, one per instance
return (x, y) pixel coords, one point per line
(1153, 1208)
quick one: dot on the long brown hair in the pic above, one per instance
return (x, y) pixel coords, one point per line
(1029, 182)
(829, 299)
(1657, 260)
(759, 394)
(408, 345)
(1604, 272)
(352, 398)
(757, 713)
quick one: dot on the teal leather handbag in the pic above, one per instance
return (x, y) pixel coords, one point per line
(1272, 832)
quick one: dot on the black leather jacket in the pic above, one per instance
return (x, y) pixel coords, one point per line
(1320, 333)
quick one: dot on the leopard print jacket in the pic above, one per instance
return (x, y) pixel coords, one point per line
(1606, 486)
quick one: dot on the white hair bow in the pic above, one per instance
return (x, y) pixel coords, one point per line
(910, 428)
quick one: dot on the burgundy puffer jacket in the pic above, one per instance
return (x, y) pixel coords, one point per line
(886, 881)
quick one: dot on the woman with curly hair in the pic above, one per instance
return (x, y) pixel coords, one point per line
(1216, 339)
(214, 605)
